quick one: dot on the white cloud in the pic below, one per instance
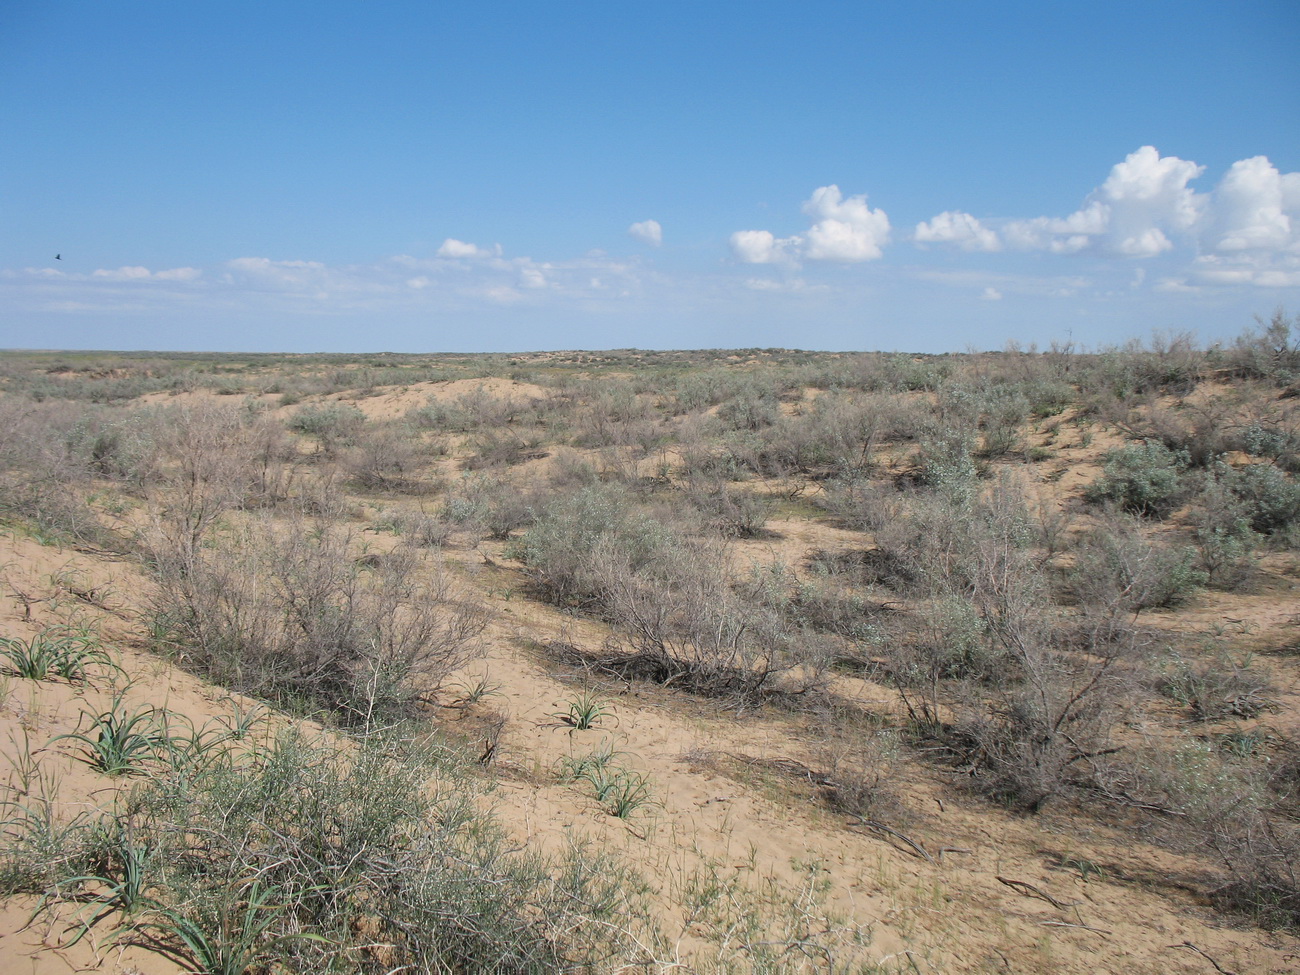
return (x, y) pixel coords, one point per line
(761, 247)
(847, 231)
(531, 277)
(960, 229)
(179, 274)
(648, 232)
(991, 294)
(789, 285)
(459, 249)
(1246, 232)
(1255, 208)
(844, 231)
(137, 273)
(1143, 200)
(123, 274)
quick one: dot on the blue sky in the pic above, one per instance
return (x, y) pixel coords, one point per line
(512, 176)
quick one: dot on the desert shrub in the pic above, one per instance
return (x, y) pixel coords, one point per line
(729, 510)
(1118, 572)
(1269, 499)
(289, 613)
(751, 410)
(1214, 686)
(1270, 352)
(1197, 434)
(1168, 363)
(698, 389)
(1223, 810)
(306, 854)
(502, 448)
(946, 464)
(386, 459)
(836, 436)
(1048, 397)
(859, 776)
(114, 445)
(678, 620)
(676, 614)
(42, 483)
(416, 527)
(439, 415)
(1225, 536)
(1145, 480)
(490, 504)
(559, 548)
(1274, 441)
(333, 424)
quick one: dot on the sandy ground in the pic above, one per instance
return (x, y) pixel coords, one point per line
(734, 794)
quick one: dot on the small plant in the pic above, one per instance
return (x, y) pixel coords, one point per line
(599, 758)
(471, 692)
(54, 652)
(584, 711)
(238, 940)
(120, 885)
(1217, 688)
(118, 743)
(627, 793)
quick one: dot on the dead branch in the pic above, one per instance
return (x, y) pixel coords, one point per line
(1067, 924)
(1029, 890)
(1191, 947)
(882, 828)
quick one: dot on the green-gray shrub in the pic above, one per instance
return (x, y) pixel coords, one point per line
(1146, 479)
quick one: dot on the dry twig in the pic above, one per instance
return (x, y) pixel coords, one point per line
(1029, 890)
(882, 828)
(1191, 947)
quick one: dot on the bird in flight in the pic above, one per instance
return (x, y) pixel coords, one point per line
(58, 257)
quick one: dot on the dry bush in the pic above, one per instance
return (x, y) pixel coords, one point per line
(1119, 571)
(1225, 537)
(669, 596)
(334, 425)
(502, 448)
(1270, 500)
(1198, 434)
(212, 460)
(731, 511)
(1222, 808)
(289, 613)
(43, 478)
(679, 622)
(489, 504)
(559, 549)
(417, 528)
(1216, 685)
(1270, 352)
(389, 458)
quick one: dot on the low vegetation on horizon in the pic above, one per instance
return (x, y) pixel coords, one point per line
(1053, 585)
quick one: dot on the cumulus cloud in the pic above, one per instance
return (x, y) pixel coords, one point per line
(1246, 231)
(1132, 214)
(648, 232)
(844, 231)
(847, 231)
(460, 250)
(991, 294)
(960, 229)
(1255, 208)
(762, 247)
